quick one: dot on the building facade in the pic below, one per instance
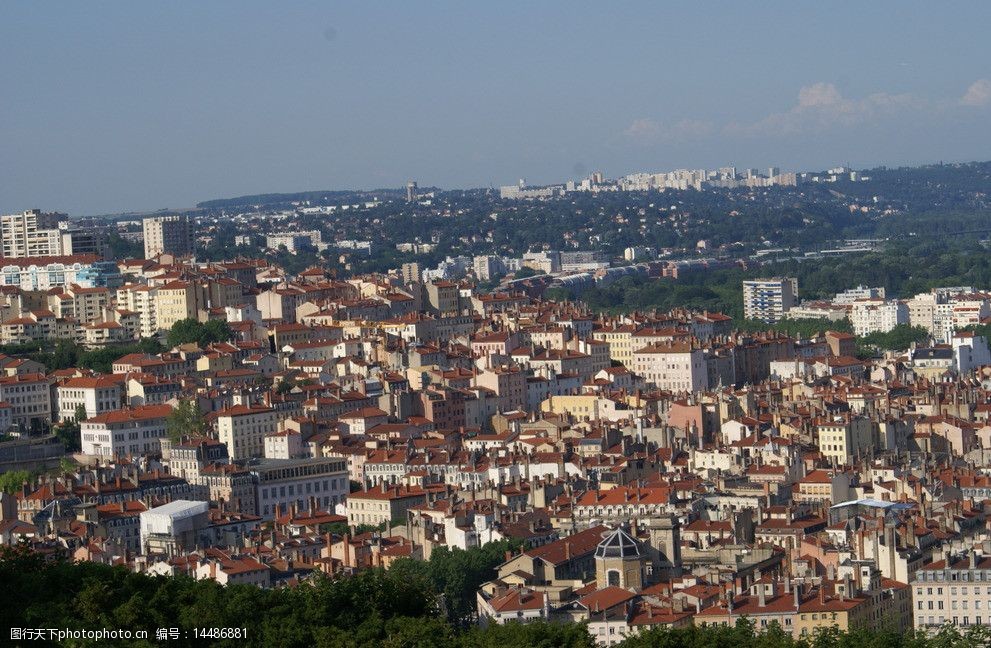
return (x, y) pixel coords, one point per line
(767, 300)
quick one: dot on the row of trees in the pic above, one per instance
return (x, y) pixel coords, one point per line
(191, 331)
(931, 265)
(399, 607)
(66, 354)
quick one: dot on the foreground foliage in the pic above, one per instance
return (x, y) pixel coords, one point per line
(399, 607)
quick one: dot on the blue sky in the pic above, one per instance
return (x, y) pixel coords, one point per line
(117, 106)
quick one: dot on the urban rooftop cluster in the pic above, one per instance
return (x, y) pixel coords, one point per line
(235, 421)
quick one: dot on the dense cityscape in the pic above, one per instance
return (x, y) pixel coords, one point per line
(495, 325)
(273, 415)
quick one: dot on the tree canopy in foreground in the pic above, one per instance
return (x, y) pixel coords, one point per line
(399, 607)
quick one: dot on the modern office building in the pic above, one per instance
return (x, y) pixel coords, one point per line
(45, 273)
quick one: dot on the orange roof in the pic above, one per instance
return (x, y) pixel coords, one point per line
(142, 413)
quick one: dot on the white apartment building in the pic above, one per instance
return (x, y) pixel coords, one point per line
(877, 315)
(133, 431)
(243, 429)
(487, 266)
(140, 299)
(818, 310)
(293, 241)
(29, 396)
(672, 366)
(970, 351)
(287, 444)
(768, 300)
(934, 311)
(851, 295)
(31, 233)
(96, 395)
(970, 309)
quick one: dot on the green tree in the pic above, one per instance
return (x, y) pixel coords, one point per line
(457, 574)
(540, 633)
(186, 419)
(68, 432)
(215, 331)
(899, 338)
(526, 272)
(65, 355)
(191, 331)
(185, 331)
(12, 480)
(397, 607)
(558, 294)
(66, 465)
(285, 386)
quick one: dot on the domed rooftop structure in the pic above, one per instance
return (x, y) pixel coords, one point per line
(617, 544)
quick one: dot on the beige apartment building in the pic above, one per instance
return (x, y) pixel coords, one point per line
(955, 589)
(383, 504)
(443, 297)
(508, 383)
(167, 235)
(620, 341)
(845, 437)
(29, 395)
(672, 366)
(244, 428)
(83, 304)
(175, 301)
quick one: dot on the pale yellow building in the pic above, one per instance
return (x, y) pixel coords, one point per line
(243, 429)
(175, 301)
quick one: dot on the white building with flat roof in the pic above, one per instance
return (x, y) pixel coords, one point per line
(134, 431)
(768, 300)
(877, 315)
(286, 483)
(174, 526)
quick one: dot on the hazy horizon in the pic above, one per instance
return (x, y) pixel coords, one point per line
(138, 107)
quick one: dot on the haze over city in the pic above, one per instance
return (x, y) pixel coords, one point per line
(136, 106)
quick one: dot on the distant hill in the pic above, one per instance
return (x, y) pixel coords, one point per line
(313, 197)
